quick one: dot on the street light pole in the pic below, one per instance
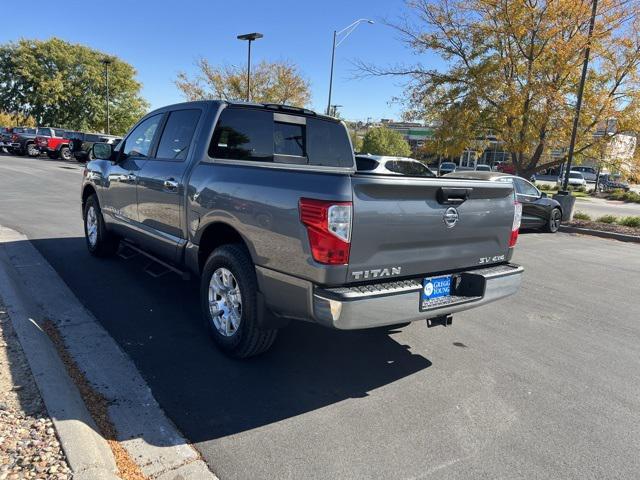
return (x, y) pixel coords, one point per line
(349, 29)
(583, 77)
(333, 56)
(250, 37)
(107, 62)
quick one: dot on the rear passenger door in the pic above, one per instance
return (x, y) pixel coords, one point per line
(161, 193)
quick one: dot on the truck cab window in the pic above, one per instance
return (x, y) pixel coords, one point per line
(139, 141)
(177, 134)
(243, 134)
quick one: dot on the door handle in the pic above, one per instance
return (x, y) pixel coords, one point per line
(171, 185)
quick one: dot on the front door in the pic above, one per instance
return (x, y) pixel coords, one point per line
(120, 200)
(161, 194)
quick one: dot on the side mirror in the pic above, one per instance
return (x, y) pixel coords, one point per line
(102, 151)
(543, 195)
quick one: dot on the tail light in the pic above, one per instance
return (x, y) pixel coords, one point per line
(329, 229)
(517, 219)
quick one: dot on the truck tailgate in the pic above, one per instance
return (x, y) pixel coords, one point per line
(399, 226)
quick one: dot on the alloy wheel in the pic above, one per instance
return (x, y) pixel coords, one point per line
(225, 302)
(92, 226)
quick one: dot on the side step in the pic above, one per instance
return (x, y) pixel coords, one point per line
(157, 268)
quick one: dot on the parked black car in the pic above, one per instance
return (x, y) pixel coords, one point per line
(21, 141)
(538, 210)
(80, 143)
(608, 183)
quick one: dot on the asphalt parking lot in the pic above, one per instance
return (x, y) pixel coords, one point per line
(542, 385)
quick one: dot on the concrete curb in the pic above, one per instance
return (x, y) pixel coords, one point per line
(600, 233)
(149, 437)
(88, 454)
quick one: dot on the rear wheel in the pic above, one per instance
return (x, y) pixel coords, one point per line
(553, 224)
(229, 304)
(100, 242)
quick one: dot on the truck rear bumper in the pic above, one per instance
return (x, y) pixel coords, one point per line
(390, 303)
(384, 303)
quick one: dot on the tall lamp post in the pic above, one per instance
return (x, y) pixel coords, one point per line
(250, 37)
(107, 61)
(348, 30)
(583, 77)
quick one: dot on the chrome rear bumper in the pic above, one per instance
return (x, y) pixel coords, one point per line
(389, 303)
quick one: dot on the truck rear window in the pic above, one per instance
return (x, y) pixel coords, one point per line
(254, 135)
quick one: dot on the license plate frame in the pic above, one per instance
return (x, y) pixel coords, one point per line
(434, 290)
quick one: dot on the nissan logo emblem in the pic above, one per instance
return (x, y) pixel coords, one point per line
(450, 217)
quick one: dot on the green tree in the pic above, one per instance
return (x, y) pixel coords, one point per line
(271, 82)
(384, 141)
(63, 84)
(511, 68)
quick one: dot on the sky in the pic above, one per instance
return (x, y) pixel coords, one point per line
(161, 38)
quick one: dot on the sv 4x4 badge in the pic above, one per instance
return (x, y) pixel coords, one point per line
(495, 258)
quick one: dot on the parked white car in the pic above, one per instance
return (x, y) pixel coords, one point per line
(576, 179)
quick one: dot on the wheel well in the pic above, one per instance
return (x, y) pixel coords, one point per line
(215, 235)
(86, 193)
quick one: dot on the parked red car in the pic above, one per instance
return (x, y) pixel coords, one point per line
(506, 167)
(52, 142)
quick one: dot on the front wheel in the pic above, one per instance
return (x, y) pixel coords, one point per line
(229, 304)
(32, 150)
(65, 153)
(553, 224)
(100, 242)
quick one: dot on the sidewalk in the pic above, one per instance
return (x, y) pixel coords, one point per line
(104, 413)
(29, 445)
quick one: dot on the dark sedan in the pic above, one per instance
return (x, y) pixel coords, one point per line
(538, 210)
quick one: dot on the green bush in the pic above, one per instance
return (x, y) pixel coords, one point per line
(630, 222)
(607, 219)
(581, 216)
(616, 195)
(629, 196)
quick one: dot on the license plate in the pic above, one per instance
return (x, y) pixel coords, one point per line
(434, 288)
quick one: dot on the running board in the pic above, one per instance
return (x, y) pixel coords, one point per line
(154, 272)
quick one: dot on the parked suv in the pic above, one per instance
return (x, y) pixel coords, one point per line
(589, 173)
(80, 143)
(264, 204)
(52, 141)
(384, 165)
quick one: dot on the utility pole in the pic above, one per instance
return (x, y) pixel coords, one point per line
(576, 118)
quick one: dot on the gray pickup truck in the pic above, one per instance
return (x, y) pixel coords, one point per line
(264, 204)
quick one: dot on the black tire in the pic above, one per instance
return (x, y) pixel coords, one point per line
(553, 224)
(65, 153)
(32, 150)
(248, 339)
(105, 243)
